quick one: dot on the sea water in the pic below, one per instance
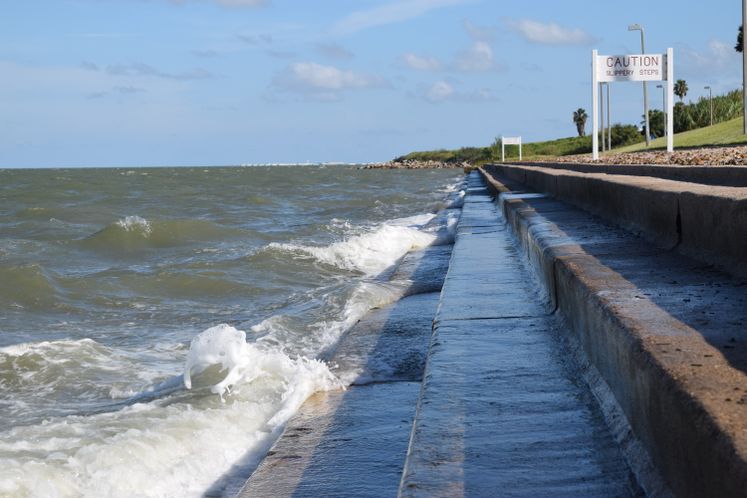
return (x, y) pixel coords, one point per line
(159, 325)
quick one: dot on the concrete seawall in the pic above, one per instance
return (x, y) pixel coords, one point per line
(666, 333)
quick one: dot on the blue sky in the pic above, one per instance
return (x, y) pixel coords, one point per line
(208, 82)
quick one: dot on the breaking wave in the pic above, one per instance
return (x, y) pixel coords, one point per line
(374, 251)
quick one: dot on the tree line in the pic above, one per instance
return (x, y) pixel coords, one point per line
(687, 116)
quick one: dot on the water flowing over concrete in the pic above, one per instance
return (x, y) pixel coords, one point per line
(502, 411)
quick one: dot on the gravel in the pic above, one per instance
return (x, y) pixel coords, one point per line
(715, 156)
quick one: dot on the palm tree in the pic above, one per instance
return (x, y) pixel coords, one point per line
(680, 89)
(579, 118)
(740, 37)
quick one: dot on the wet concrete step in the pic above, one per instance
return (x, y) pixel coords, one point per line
(353, 442)
(502, 411)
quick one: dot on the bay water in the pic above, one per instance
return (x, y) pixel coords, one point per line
(159, 324)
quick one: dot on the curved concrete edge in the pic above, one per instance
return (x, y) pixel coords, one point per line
(647, 357)
(702, 221)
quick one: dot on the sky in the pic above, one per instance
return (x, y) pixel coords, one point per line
(223, 82)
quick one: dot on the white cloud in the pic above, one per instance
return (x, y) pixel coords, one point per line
(549, 33)
(322, 82)
(717, 64)
(390, 13)
(442, 91)
(420, 63)
(228, 3)
(717, 56)
(439, 91)
(140, 69)
(479, 57)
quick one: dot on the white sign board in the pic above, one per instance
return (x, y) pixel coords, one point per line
(641, 67)
(635, 67)
(509, 141)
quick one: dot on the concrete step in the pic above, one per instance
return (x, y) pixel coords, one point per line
(667, 333)
(353, 442)
(501, 410)
(700, 220)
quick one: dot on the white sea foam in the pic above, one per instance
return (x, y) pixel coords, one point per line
(135, 224)
(188, 444)
(374, 251)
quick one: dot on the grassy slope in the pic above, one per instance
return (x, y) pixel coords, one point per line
(480, 155)
(726, 133)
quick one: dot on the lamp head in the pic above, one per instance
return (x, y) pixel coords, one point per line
(634, 27)
(707, 87)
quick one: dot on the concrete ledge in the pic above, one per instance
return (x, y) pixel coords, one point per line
(683, 395)
(705, 222)
(727, 176)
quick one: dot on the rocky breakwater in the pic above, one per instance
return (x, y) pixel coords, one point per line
(414, 164)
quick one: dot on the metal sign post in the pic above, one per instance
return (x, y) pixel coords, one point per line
(594, 105)
(635, 67)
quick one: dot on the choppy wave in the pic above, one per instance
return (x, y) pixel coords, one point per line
(110, 415)
(86, 456)
(134, 233)
(26, 286)
(67, 376)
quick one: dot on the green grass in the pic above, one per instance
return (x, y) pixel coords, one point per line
(551, 148)
(726, 133)
(481, 155)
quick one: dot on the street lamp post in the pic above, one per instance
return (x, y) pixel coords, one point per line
(601, 114)
(664, 105)
(638, 27)
(710, 100)
(744, 67)
(609, 120)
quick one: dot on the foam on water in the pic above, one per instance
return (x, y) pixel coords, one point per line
(373, 251)
(188, 441)
(69, 376)
(135, 224)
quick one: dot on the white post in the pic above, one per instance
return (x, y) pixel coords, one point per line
(601, 116)
(519, 148)
(670, 100)
(609, 120)
(595, 107)
(503, 151)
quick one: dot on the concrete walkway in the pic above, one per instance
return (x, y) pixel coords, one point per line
(502, 411)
